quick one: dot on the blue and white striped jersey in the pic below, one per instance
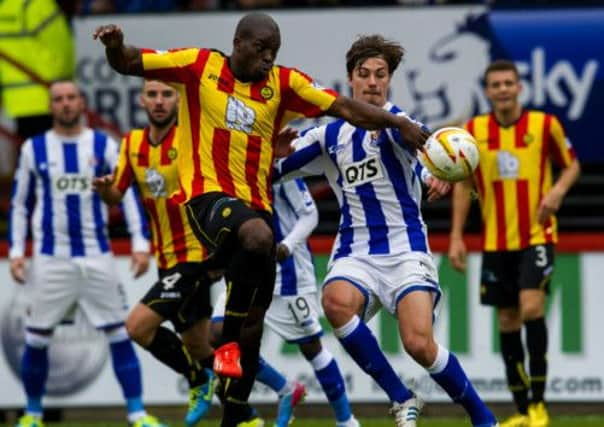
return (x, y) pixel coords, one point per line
(377, 181)
(69, 218)
(295, 216)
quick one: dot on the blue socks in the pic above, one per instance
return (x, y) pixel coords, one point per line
(449, 374)
(359, 342)
(128, 373)
(269, 376)
(34, 372)
(329, 376)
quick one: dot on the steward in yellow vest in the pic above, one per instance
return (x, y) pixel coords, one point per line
(36, 48)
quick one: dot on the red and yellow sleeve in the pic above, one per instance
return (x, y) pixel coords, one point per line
(561, 149)
(169, 65)
(124, 174)
(305, 98)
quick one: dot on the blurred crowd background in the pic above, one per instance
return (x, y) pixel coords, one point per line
(88, 7)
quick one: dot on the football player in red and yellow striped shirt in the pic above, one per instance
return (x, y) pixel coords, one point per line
(232, 110)
(518, 199)
(148, 160)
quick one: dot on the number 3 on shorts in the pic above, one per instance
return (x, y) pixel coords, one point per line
(541, 252)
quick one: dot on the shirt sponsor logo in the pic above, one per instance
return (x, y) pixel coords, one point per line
(362, 172)
(156, 183)
(508, 164)
(72, 184)
(239, 116)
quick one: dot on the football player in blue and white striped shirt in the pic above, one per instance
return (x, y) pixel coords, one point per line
(381, 255)
(72, 263)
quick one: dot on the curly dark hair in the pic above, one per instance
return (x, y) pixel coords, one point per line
(372, 46)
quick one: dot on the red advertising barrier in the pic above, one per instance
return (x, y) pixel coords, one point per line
(568, 243)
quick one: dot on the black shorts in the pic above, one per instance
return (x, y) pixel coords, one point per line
(505, 273)
(215, 218)
(181, 295)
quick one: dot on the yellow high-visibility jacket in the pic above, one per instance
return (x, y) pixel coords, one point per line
(34, 33)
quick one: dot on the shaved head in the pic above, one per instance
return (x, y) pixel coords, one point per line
(253, 22)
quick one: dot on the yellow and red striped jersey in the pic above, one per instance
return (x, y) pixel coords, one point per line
(514, 173)
(154, 169)
(231, 126)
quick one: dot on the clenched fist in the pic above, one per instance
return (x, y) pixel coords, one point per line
(110, 35)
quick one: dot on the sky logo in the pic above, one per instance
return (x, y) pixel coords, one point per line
(446, 85)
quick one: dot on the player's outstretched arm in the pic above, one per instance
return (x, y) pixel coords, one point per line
(367, 116)
(123, 59)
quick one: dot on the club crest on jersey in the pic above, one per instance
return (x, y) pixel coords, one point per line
(333, 149)
(528, 138)
(266, 92)
(156, 183)
(374, 135)
(172, 153)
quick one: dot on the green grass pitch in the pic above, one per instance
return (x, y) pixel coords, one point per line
(566, 421)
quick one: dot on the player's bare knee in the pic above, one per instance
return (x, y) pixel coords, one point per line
(531, 311)
(256, 236)
(338, 309)
(138, 332)
(420, 347)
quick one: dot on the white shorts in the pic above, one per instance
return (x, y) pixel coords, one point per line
(58, 286)
(294, 318)
(385, 280)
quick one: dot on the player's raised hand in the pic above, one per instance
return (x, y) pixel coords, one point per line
(17, 269)
(283, 145)
(457, 254)
(110, 35)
